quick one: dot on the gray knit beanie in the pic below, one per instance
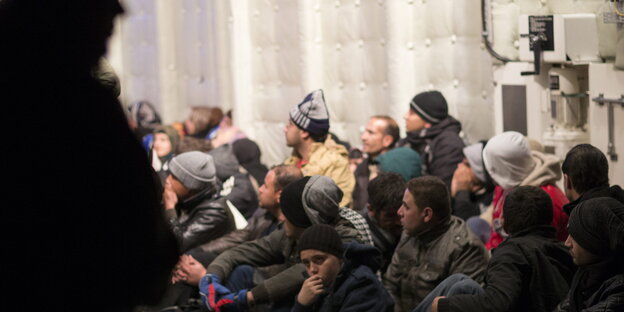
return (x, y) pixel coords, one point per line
(311, 114)
(196, 170)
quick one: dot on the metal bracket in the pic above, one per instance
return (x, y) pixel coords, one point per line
(601, 100)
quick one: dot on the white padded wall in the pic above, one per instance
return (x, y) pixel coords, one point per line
(262, 57)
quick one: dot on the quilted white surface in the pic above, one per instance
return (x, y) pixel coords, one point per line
(261, 57)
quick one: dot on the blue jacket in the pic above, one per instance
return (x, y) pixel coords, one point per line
(357, 288)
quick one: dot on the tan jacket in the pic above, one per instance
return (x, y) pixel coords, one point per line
(332, 160)
(420, 263)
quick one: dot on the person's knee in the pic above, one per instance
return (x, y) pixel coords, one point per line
(464, 285)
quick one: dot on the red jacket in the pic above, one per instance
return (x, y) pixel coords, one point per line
(559, 222)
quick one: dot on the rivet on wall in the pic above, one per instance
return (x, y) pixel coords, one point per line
(516, 44)
(453, 39)
(360, 43)
(256, 13)
(276, 8)
(337, 3)
(357, 3)
(382, 41)
(340, 85)
(484, 94)
(362, 86)
(317, 8)
(261, 87)
(384, 85)
(431, 86)
(338, 46)
(410, 1)
(380, 2)
(427, 42)
(279, 83)
(455, 83)
(410, 46)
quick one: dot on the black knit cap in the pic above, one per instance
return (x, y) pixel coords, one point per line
(597, 225)
(291, 202)
(430, 106)
(321, 237)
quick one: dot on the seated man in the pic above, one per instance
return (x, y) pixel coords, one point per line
(265, 220)
(434, 134)
(596, 244)
(196, 212)
(381, 135)
(339, 280)
(435, 244)
(310, 200)
(384, 199)
(314, 151)
(586, 175)
(529, 271)
(510, 162)
(471, 188)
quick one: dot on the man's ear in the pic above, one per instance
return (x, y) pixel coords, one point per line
(386, 141)
(567, 182)
(279, 195)
(427, 214)
(304, 134)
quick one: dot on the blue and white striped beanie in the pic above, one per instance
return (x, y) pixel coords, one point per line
(311, 114)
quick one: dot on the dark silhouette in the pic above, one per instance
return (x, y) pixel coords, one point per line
(81, 221)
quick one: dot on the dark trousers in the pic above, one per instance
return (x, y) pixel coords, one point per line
(243, 278)
(455, 284)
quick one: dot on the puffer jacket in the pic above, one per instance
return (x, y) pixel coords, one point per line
(331, 160)
(259, 225)
(421, 262)
(546, 173)
(530, 271)
(356, 287)
(200, 219)
(320, 201)
(596, 288)
(440, 148)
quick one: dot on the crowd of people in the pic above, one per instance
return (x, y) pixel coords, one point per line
(185, 217)
(424, 223)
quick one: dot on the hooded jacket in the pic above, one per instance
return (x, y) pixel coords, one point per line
(331, 160)
(545, 173)
(529, 271)
(440, 148)
(421, 262)
(320, 200)
(357, 287)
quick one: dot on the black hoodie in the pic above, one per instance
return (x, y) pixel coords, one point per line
(440, 148)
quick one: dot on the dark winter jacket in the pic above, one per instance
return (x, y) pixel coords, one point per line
(421, 262)
(440, 148)
(530, 271)
(597, 287)
(467, 204)
(200, 220)
(615, 192)
(385, 241)
(357, 287)
(262, 223)
(360, 191)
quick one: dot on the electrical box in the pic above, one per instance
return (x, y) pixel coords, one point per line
(563, 38)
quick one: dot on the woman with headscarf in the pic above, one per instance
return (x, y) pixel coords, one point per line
(163, 149)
